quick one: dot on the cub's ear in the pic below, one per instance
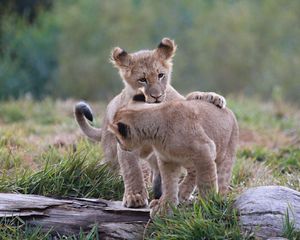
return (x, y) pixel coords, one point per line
(121, 130)
(166, 49)
(120, 58)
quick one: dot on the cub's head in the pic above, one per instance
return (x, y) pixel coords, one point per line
(148, 71)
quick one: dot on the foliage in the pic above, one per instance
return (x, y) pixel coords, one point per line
(28, 56)
(229, 46)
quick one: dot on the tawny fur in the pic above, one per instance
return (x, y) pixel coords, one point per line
(196, 135)
(145, 64)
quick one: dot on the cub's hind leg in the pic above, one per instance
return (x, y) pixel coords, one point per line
(224, 170)
(187, 185)
(206, 169)
(225, 164)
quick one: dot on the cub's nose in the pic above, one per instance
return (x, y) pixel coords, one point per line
(156, 96)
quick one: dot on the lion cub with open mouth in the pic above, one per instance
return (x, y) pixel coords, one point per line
(196, 135)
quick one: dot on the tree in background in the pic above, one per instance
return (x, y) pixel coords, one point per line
(25, 8)
(28, 59)
(27, 42)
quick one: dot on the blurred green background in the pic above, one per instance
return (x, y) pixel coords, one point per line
(61, 48)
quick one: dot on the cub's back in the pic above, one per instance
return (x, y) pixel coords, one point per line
(203, 111)
(192, 115)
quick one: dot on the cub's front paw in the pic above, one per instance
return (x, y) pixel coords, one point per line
(155, 207)
(160, 207)
(211, 97)
(135, 200)
(183, 197)
(188, 201)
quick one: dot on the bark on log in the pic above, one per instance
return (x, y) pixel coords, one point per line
(70, 216)
(263, 210)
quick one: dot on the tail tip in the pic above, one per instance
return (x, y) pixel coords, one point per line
(85, 109)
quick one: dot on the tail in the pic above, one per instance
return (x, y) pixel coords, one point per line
(156, 187)
(82, 112)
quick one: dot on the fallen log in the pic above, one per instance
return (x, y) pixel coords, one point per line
(262, 210)
(70, 216)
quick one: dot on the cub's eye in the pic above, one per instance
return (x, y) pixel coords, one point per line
(161, 75)
(142, 80)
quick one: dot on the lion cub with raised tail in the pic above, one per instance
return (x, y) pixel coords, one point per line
(190, 134)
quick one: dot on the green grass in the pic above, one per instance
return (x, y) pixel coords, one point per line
(31, 161)
(280, 166)
(257, 114)
(213, 218)
(44, 112)
(12, 113)
(17, 229)
(77, 174)
(9, 160)
(283, 159)
(289, 230)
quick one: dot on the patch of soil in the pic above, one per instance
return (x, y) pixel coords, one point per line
(59, 140)
(27, 161)
(274, 139)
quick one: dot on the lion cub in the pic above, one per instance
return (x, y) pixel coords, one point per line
(195, 135)
(149, 72)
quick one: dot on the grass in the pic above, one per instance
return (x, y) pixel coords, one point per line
(18, 230)
(77, 174)
(42, 151)
(280, 166)
(213, 218)
(257, 114)
(44, 113)
(289, 230)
